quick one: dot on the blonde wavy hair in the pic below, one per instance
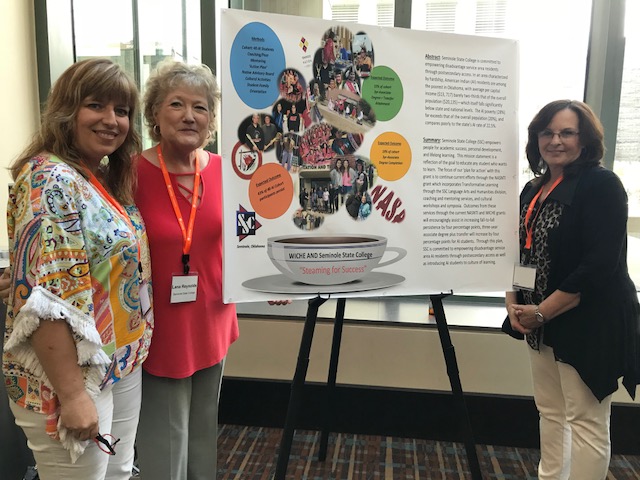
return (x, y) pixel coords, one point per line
(170, 75)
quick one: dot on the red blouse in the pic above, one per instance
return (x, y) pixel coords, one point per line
(188, 336)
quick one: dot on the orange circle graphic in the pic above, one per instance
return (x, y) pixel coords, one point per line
(271, 190)
(391, 155)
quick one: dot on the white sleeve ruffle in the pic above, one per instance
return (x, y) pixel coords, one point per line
(42, 305)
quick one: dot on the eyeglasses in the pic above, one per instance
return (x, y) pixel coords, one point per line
(106, 443)
(563, 134)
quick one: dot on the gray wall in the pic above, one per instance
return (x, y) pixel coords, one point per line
(15, 457)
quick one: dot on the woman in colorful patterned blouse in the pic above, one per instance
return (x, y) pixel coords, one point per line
(76, 332)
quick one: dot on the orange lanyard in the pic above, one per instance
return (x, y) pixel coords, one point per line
(187, 233)
(528, 226)
(119, 208)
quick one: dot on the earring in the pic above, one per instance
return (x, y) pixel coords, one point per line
(156, 129)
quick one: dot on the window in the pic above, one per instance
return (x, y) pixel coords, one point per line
(385, 14)
(345, 13)
(350, 11)
(627, 160)
(627, 156)
(482, 17)
(440, 16)
(165, 28)
(115, 42)
(491, 16)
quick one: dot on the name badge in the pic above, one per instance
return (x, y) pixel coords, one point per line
(184, 288)
(145, 298)
(524, 277)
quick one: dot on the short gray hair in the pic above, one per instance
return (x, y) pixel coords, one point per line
(170, 75)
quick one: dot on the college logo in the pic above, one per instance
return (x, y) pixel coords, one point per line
(304, 45)
(246, 223)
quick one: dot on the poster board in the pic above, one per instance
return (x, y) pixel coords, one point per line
(425, 127)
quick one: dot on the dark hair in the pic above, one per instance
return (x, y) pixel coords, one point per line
(102, 79)
(591, 137)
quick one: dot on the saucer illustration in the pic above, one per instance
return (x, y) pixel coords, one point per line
(282, 284)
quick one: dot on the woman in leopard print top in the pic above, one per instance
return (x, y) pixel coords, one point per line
(581, 317)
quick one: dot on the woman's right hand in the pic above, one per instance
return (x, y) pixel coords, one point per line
(55, 347)
(511, 300)
(79, 416)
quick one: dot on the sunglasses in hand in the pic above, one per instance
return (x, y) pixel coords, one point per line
(106, 443)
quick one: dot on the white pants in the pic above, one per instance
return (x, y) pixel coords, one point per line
(178, 433)
(574, 426)
(118, 412)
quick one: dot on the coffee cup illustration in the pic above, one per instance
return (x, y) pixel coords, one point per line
(330, 260)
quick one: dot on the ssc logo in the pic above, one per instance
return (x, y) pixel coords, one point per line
(246, 223)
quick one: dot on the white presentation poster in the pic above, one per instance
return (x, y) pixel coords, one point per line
(365, 161)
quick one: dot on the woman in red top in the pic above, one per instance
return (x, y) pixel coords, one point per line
(328, 49)
(179, 195)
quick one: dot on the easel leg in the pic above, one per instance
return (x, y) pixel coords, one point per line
(331, 380)
(297, 386)
(456, 386)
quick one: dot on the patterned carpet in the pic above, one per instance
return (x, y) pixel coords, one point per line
(250, 453)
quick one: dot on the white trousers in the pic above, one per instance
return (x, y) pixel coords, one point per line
(118, 412)
(178, 433)
(574, 426)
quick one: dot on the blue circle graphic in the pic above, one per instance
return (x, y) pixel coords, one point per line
(257, 58)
